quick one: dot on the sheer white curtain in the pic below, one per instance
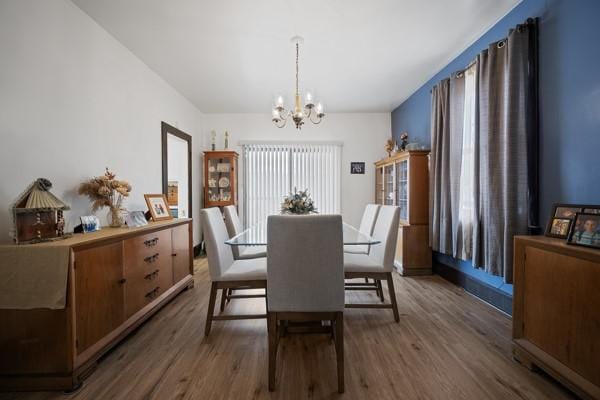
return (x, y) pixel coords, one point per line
(272, 171)
(466, 188)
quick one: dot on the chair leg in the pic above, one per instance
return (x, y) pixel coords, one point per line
(211, 308)
(224, 297)
(366, 280)
(380, 291)
(272, 333)
(390, 282)
(229, 293)
(339, 349)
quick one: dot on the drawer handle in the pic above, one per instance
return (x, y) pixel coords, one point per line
(152, 275)
(151, 242)
(151, 294)
(152, 258)
(122, 281)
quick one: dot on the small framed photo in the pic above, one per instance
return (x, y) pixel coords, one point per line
(592, 210)
(585, 230)
(559, 227)
(89, 223)
(157, 204)
(136, 219)
(566, 210)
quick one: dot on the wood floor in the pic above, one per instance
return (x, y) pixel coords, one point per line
(448, 345)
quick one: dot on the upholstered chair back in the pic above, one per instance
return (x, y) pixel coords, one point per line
(305, 266)
(234, 227)
(367, 224)
(386, 231)
(219, 254)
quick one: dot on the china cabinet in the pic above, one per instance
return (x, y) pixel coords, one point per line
(402, 180)
(220, 178)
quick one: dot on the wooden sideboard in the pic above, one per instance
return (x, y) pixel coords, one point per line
(117, 278)
(556, 311)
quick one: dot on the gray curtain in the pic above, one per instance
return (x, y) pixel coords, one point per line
(506, 147)
(447, 103)
(505, 154)
(440, 232)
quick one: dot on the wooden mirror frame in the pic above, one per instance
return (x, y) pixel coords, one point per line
(166, 130)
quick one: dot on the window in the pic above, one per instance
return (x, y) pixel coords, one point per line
(271, 171)
(466, 189)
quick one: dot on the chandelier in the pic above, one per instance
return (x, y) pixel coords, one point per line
(310, 111)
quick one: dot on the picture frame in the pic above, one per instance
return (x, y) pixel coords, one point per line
(158, 206)
(559, 227)
(592, 210)
(585, 230)
(136, 219)
(561, 210)
(357, 167)
(89, 223)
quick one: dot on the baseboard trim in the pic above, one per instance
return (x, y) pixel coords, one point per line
(481, 290)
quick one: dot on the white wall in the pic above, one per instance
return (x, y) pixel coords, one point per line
(73, 100)
(363, 136)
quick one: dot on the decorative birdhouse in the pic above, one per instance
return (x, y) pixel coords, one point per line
(38, 214)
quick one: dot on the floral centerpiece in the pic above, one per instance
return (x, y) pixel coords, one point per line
(106, 191)
(298, 202)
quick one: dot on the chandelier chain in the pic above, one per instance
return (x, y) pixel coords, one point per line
(297, 53)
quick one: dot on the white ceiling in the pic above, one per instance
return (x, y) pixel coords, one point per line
(235, 55)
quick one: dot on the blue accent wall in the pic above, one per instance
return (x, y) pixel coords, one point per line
(569, 104)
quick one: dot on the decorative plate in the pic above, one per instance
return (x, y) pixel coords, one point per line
(224, 182)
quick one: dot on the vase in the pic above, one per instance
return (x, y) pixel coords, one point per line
(115, 217)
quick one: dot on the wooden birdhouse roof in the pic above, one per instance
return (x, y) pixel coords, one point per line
(38, 196)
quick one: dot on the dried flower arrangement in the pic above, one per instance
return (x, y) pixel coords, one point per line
(298, 202)
(106, 191)
(389, 146)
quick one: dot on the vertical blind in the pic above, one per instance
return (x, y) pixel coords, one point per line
(272, 171)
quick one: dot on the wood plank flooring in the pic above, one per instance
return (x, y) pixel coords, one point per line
(448, 345)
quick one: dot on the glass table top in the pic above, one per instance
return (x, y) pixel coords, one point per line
(257, 236)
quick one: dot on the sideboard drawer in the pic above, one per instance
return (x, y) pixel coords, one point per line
(147, 269)
(144, 246)
(140, 292)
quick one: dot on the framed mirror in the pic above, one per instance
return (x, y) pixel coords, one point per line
(177, 170)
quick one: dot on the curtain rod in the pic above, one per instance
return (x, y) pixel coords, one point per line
(529, 21)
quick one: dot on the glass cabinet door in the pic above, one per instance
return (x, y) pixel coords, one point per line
(379, 185)
(402, 188)
(219, 179)
(388, 183)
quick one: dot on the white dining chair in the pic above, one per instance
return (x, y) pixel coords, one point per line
(234, 228)
(367, 224)
(379, 263)
(305, 279)
(225, 272)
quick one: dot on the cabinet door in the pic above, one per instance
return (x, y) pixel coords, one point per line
(402, 188)
(98, 293)
(182, 258)
(388, 185)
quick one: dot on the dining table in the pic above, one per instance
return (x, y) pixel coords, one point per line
(256, 235)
